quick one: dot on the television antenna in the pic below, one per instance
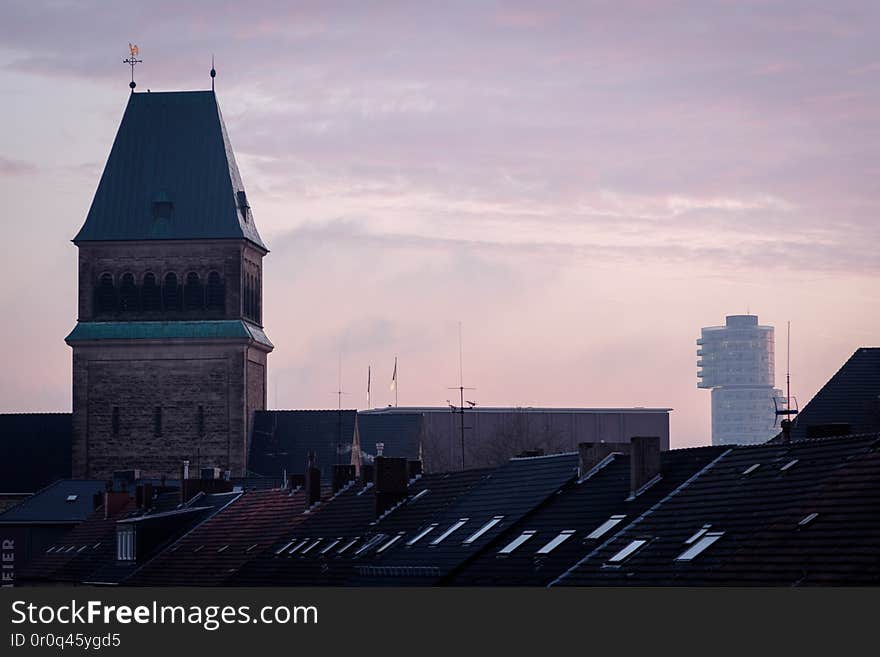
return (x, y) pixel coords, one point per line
(461, 408)
(787, 411)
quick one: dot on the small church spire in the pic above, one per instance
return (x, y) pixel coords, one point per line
(213, 72)
(131, 61)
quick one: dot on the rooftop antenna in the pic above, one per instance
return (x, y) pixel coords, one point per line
(339, 393)
(213, 72)
(787, 412)
(460, 409)
(131, 61)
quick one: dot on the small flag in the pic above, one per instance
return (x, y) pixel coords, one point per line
(394, 376)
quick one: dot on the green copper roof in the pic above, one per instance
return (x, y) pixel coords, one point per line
(227, 328)
(171, 175)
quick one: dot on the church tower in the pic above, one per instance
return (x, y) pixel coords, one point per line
(169, 352)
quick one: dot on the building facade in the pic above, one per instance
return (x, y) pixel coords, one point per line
(169, 352)
(737, 364)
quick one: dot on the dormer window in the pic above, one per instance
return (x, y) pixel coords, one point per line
(243, 207)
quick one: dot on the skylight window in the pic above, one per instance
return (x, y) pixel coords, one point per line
(198, 549)
(788, 465)
(389, 543)
(699, 546)
(72, 498)
(420, 495)
(806, 520)
(285, 546)
(452, 529)
(330, 546)
(515, 543)
(251, 548)
(482, 530)
(427, 530)
(698, 534)
(222, 548)
(556, 542)
(349, 544)
(604, 528)
(628, 550)
(751, 468)
(298, 546)
(373, 542)
(308, 549)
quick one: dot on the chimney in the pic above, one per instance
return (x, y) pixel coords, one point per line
(114, 501)
(148, 496)
(644, 461)
(342, 474)
(592, 454)
(139, 496)
(210, 474)
(415, 468)
(368, 472)
(391, 481)
(313, 481)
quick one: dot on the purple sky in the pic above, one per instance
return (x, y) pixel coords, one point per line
(583, 185)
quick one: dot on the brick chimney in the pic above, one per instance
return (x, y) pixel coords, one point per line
(114, 501)
(392, 479)
(592, 454)
(368, 471)
(313, 481)
(342, 474)
(644, 462)
(415, 468)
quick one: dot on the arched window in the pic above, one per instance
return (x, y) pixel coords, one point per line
(150, 295)
(171, 292)
(128, 293)
(106, 295)
(247, 295)
(192, 292)
(216, 293)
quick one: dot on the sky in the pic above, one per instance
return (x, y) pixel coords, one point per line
(582, 185)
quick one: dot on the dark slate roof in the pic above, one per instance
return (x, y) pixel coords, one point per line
(35, 450)
(221, 545)
(86, 547)
(172, 147)
(51, 506)
(283, 439)
(401, 434)
(206, 329)
(769, 536)
(511, 491)
(583, 506)
(349, 515)
(851, 396)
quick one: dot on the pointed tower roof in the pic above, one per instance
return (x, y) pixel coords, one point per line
(171, 175)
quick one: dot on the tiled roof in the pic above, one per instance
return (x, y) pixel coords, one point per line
(170, 148)
(851, 396)
(506, 495)
(400, 434)
(65, 501)
(86, 547)
(219, 547)
(350, 515)
(35, 450)
(282, 440)
(581, 508)
(755, 504)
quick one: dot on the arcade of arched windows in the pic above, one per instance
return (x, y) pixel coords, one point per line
(190, 291)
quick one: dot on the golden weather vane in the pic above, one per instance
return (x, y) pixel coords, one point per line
(131, 61)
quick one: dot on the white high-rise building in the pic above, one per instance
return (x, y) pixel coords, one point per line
(737, 364)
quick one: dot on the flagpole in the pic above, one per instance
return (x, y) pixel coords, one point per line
(369, 404)
(396, 378)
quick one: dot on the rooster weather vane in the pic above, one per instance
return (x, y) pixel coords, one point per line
(131, 61)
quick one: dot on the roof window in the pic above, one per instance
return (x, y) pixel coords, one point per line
(389, 543)
(222, 548)
(373, 542)
(806, 520)
(515, 543)
(285, 546)
(482, 530)
(312, 546)
(348, 545)
(427, 530)
(751, 468)
(788, 465)
(330, 545)
(699, 546)
(298, 546)
(628, 550)
(603, 529)
(72, 498)
(698, 534)
(556, 542)
(452, 529)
